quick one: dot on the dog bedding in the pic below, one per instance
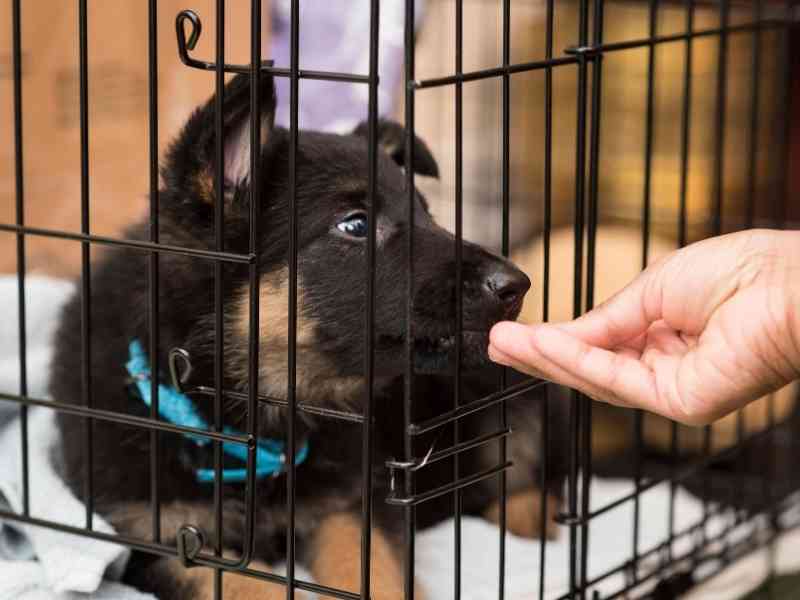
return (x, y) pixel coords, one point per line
(41, 564)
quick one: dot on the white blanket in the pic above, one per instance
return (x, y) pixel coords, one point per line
(41, 564)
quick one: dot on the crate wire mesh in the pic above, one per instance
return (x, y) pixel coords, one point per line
(672, 573)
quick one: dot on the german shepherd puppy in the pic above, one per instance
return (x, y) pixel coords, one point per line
(332, 198)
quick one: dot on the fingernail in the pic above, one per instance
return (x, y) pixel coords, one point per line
(496, 356)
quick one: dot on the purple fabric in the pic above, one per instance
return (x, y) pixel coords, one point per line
(334, 36)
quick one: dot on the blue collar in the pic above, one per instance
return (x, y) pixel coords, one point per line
(176, 408)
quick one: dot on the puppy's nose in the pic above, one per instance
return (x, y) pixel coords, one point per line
(508, 285)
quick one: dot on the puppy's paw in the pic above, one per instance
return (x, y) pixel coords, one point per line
(524, 514)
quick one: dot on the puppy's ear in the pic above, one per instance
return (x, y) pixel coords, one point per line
(191, 161)
(392, 138)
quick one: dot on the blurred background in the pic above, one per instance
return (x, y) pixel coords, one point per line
(118, 117)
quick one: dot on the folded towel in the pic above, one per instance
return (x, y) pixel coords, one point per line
(44, 297)
(68, 562)
(37, 563)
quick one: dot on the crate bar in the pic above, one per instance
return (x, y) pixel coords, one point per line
(494, 72)
(410, 501)
(415, 429)
(153, 308)
(219, 246)
(577, 305)
(683, 559)
(409, 513)
(506, 198)
(604, 48)
(780, 217)
(638, 424)
(591, 246)
(169, 551)
(682, 475)
(115, 417)
(451, 451)
(745, 546)
(291, 386)
(755, 101)
(678, 37)
(19, 179)
(752, 178)
(253, 274)
(86, 288)
(367, 448)
(719, 145)
(312, 410)
(132, 244)
(782, 213)
(459, 234)
(547, 217)
(686, 116)
(284, 72)
(716, 221)
(689, 530)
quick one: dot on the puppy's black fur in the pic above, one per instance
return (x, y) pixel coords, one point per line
(332, 174)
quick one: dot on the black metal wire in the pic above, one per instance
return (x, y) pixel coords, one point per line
(409, 515)
(512, 391)
(686, 115)
(152, 33)
(86, 286)
(506, 199)
(130, 244)
(716, 219)
(19, 190)
(291, 391)
(219, 246)
(254, 275)
(783, 201)
(638, 422)
(574, 58)
(369, 357)
(750, 202)
(459, 234)
(579, 224)
(548, 202)
(591, 246)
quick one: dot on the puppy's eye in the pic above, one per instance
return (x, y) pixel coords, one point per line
(354, 225)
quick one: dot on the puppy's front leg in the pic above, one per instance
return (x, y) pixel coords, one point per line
(170, 580)
(336, 559)
(524, 513)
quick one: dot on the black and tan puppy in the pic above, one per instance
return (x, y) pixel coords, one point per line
(332, 174)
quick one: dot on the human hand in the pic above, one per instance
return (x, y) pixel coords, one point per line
(697, 335)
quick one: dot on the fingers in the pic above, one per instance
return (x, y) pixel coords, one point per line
(663, 380)
(620, 319)
(554, 354)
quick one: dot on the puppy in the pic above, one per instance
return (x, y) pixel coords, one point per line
(332, 204)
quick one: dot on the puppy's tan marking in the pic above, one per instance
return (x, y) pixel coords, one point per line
(336, 559)
(524, 512)
(204, 182)
(199, 584)
(317, 379)
(135, 518)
